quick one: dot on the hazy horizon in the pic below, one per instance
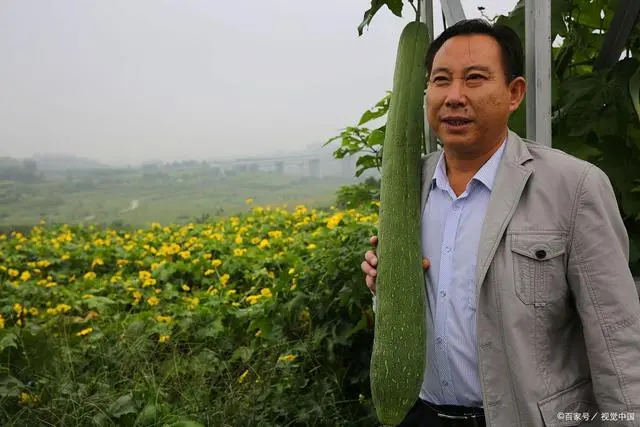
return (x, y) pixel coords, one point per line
(124, 82)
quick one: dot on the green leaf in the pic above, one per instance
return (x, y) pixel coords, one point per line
(7, 341)
(379, 110)
(243, 353)
(590, 14)
(515, 20)
(147, 417)
(122, 406)
(394, 5)
(559, 9)
(376, 138)
(186, 423)
(634, 90)
(98, 303)
(10, 386)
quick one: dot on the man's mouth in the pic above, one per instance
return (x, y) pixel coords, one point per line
(456, 121)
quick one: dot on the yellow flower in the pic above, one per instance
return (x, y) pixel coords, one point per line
(137, 295)
(275, 234)
(90, 275)
(216, 263)
(63, 307)
(26, 398)
(239, 251)
(193, 302)
(224, 279)
(1, 321)
(266, 292)
(25, 276)
(84, 332)
(149, 282)
(287, 358)
(253, 299)
(238, 239)
(170, 249)
(97, 261)
(13, 273)
(153, 301)
(185, 287)
(163, 319)
(243, 376)
(163, 338)
(263, 244)
(334, 220)
(249, 201)
(185, 254)
(311, 246)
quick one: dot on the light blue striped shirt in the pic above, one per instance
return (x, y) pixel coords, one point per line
(451, 229)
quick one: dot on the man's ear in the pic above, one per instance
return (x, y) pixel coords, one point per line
(517, 91)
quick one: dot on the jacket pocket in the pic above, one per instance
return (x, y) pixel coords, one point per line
(539, 267)
(570, 407)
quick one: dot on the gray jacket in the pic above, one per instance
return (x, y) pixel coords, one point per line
(558, 313)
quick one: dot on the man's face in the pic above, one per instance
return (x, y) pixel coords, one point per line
(468, 97)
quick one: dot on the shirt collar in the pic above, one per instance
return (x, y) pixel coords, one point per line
(486, 175)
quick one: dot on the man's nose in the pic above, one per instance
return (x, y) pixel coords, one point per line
(456, 94)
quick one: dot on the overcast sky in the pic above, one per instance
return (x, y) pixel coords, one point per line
(140, 80)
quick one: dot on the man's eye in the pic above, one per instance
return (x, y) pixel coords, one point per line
(475, 77)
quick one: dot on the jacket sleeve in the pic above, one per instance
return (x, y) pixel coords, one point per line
(606, 296)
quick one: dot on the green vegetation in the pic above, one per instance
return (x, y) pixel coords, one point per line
(139, 196)
(255, 320)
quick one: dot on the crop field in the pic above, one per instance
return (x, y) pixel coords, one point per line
(260, 319)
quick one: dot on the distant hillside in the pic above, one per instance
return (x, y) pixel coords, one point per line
(61, 162)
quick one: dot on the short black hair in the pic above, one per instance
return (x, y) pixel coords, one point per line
(507, 38)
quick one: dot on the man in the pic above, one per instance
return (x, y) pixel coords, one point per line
(533, 316)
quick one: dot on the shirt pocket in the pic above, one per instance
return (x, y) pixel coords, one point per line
(539, 267)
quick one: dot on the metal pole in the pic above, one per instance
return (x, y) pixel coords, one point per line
(538, 70)
(452, 10)
(426, 16)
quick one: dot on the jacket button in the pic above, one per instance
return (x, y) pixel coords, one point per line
(541, 253)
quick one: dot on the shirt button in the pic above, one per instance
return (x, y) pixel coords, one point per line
(447, 249)
(439, 340)
(445, 383)
(443, 294)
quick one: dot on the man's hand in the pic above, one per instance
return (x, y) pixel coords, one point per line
(371, 261)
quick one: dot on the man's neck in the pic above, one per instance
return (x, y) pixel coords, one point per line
(460, 170)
